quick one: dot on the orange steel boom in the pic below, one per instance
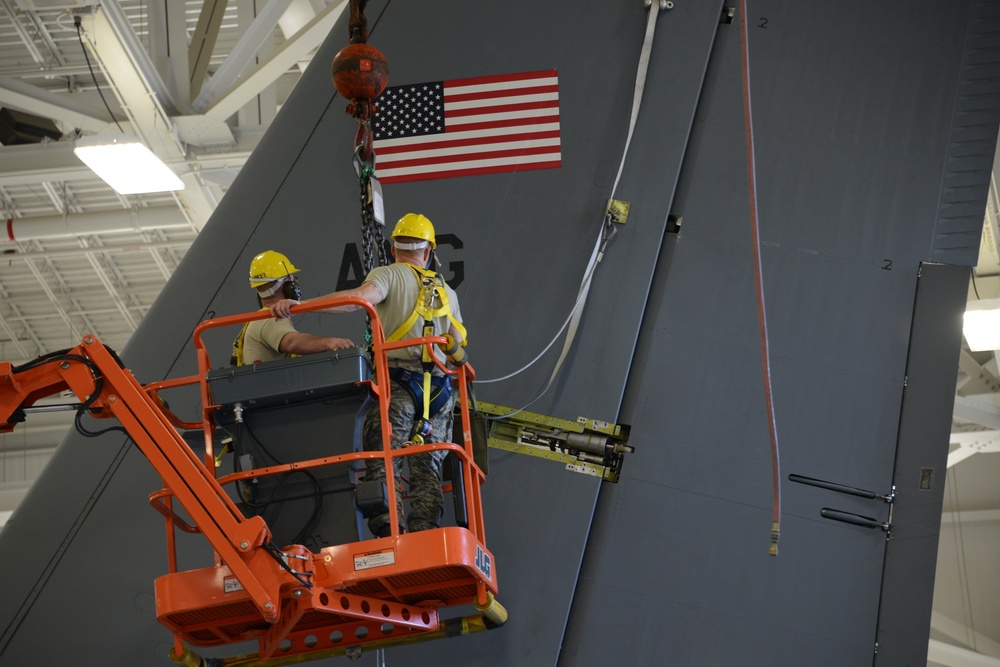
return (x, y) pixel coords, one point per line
(293, 601)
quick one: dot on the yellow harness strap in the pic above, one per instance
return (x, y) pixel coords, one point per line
(237, 358)
(431, 285)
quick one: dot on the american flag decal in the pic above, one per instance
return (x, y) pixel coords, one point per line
(483, 125)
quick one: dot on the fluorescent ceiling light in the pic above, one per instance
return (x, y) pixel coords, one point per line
(124, 163)
(982, 325)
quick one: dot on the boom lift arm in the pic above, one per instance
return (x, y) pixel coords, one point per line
(109, 390)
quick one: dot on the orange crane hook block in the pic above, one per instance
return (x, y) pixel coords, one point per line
(360, 73)
(297, 603)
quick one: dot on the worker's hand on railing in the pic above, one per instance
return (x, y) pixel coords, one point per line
(283, 308)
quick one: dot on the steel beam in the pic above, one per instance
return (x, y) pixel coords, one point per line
(113, 292)
(168, 47)
(295, 49)
(203, 42)
(242, 53)
(980, 381)
(74, 332)
(971, 443)
(62, 108)
(145, 99)
(26, 39)
(948, 655)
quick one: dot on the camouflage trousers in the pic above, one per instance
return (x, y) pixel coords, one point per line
(426, 501)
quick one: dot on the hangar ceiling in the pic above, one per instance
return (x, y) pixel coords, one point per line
(201, 82)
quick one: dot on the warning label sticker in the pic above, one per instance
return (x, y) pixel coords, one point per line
(372, 559)
(232, 584)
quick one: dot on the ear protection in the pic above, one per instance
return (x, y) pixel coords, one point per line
(289, 287)
(291, 290)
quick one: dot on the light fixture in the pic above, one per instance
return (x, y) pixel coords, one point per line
(982, 325)
(124, 163)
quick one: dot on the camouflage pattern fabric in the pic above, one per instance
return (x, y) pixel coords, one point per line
(426, 501)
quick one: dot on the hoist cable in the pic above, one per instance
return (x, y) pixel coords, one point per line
(607, 231)
(758, 278)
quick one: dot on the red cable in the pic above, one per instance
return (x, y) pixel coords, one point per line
(761, 311)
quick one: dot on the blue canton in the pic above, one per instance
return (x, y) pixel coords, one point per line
(410, 111)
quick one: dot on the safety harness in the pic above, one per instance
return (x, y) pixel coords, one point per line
(237, 358)
(434, 391)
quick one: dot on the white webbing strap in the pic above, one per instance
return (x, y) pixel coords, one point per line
(573, 321)
(603, 237)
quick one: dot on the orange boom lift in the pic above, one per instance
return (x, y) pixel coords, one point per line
(298, 604)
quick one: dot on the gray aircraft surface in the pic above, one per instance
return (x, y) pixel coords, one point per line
(874, 126)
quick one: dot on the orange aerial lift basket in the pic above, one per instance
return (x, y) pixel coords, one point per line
(296, 603)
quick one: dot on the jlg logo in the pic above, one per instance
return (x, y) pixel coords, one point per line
(483, 562)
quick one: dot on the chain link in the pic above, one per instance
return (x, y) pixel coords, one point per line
(372, 238)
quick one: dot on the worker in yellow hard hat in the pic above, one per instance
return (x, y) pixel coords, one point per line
(273, 276)
(411, 301)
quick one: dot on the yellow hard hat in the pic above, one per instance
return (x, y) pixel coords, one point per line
(417, 226)
(269, 266)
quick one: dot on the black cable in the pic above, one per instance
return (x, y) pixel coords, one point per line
(274, 552)
(317, 512)
(78, 421)
(38, 361)
(79, 36)
(61, 355)
(259, 443)
(98, 387)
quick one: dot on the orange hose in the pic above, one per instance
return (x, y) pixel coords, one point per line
(761, 310)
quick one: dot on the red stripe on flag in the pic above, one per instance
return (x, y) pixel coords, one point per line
(471, 141)
(501, 108)
(499, 78)
(490, 94)
(510, 122)
(467, 157)
(453, 173)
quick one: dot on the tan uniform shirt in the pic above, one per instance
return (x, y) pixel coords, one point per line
(400, 288)
(263, 338)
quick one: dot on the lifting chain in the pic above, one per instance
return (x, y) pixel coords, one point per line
(372, 220)
(372, 215)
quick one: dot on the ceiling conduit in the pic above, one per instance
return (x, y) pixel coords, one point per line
(102, 222)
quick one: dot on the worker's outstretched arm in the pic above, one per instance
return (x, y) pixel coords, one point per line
(368, 291)
(296, 342)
